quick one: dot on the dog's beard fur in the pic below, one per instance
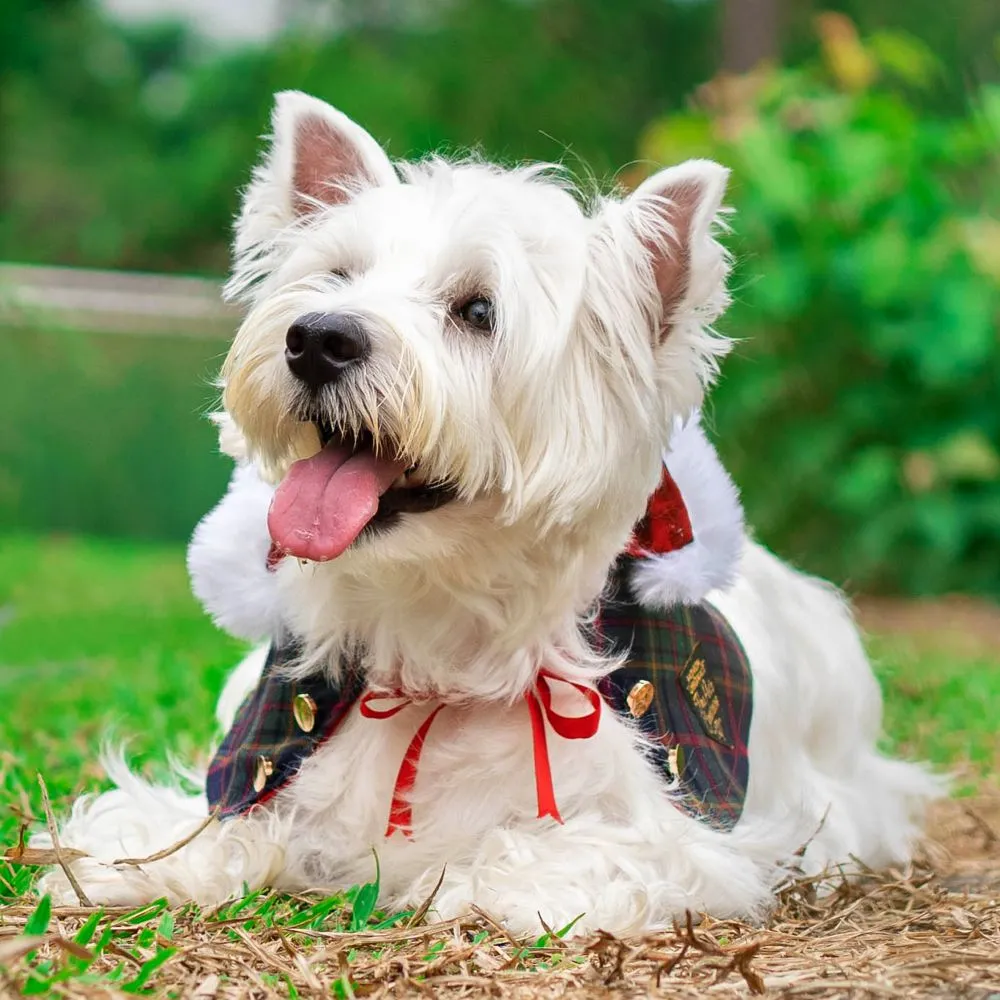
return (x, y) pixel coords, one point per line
(550, 429)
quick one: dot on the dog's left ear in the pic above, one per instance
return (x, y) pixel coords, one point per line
(674, 212)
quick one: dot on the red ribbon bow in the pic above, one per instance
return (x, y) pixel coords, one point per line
(539, 699)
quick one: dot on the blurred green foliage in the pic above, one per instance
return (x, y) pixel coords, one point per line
(862, 412)
(125, 147)
(108, 434)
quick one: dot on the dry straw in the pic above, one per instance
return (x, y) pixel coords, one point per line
(930, 931)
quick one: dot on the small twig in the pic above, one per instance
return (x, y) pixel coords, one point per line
(425, 906)
(173, 849)
(50, 821)
(702, 944)
(499, 928)
(114, 949)
(990, 835)
(667, 967)
(259, 953)
(801, 852)
(740, 962)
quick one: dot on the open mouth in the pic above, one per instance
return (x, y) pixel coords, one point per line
(409, 492)
(326, 502)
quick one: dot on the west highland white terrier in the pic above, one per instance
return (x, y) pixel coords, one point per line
(513, 629)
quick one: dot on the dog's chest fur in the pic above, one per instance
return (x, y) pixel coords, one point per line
(682, 688)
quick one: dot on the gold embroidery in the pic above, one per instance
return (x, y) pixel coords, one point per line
(700, 691)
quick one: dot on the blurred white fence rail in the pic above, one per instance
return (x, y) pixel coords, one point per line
(113, 302)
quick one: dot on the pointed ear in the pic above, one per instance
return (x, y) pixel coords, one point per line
(674, 212)
(317, 157)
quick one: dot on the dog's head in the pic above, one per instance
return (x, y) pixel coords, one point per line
(439, 355)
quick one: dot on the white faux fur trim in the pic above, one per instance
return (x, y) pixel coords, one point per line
(687, 575)
(227, 560)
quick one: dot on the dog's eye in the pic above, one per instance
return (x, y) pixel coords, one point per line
(340, 274)
(478, 313)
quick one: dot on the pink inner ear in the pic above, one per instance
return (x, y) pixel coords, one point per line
(672, 259)
(327, 166)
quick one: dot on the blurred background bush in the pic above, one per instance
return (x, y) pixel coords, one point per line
(860, 412)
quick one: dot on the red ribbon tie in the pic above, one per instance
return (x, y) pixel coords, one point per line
(400, 810)
(539, 699)
(569, 727)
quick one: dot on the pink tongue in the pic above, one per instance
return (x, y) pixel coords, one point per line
(324, 501)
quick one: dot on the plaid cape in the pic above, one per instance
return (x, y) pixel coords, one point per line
(697, 724)
(265, 729)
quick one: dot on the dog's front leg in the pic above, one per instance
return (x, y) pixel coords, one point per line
(120, 828)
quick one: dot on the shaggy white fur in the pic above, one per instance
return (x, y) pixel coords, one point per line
(550, 427)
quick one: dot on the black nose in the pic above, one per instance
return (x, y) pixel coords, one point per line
(320, 347)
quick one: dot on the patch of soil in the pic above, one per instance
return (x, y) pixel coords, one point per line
(963, 842)
(956, 623)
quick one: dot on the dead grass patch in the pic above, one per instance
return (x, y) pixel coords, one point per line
(930, 931)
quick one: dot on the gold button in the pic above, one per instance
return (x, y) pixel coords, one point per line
(675, 762)
(304, 710)
(640, 698)
(262, 771)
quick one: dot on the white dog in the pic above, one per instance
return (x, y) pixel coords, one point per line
(452, 393)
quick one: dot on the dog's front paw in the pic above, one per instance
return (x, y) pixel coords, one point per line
(526, 913)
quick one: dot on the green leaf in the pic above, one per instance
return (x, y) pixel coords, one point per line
(147, 970)
(249, 898)
(364, 906)
(905, 56)
(166, 928)
(393, 920)
(107, 935)
(778, 176)
(565, 930)
(342, 988)
(35, 987)
(86, 932)
(866, 480)
(434, 949)
(315, 916)
(38, 922)
(366, 900)
(145, 913)
(968, 455)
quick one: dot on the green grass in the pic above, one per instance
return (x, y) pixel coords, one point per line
(100, 641)
(940, 708)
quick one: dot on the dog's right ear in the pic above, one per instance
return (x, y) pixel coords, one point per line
(317, 157)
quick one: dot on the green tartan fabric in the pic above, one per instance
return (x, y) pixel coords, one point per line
(697, 724)
(265, 726)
